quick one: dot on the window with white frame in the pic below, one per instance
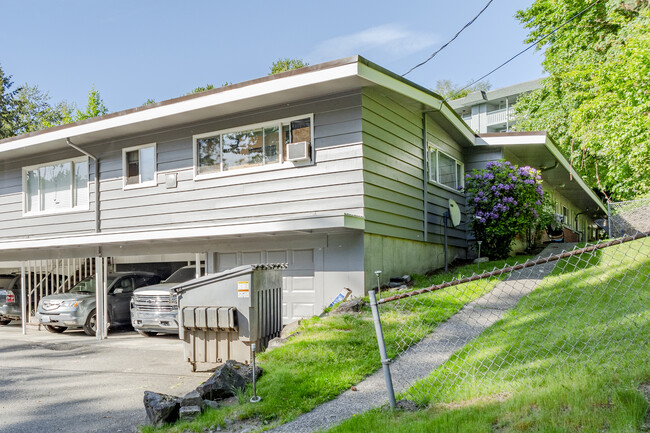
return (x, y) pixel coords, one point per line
(139, 165)
(249, 146)
(445, 169)
(57, 186)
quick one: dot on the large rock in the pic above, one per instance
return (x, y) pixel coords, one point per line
(246, 370)
(353, 306)
(188, 413)
(192, 399)
(222, 384)
(290, 329)
(276, 342)
(161, 408)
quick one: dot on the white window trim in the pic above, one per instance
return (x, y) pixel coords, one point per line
(436, 180)
(268, 167)
(149, 183)
(74, 161)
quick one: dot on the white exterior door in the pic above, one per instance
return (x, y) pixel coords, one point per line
(299, 294)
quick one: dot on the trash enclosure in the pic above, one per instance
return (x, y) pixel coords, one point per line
(223, 314)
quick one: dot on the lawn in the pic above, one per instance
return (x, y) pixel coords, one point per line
(334, 352)
(572, 356)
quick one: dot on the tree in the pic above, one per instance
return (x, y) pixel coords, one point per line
(95, 106)
(8, 105)
(596, 100)
(504, 201)
(34, 111)
(449, 90)
(283, 65)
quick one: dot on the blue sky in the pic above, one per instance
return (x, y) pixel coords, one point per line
(139, 49)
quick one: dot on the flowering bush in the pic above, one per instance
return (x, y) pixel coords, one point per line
(505, 200)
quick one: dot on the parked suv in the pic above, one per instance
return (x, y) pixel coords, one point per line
(9, 298)
(76, 308)
(154, 309)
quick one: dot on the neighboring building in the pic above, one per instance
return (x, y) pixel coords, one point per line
(338, 169)
(492, 111)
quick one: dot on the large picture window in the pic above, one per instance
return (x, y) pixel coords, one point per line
(57, 186)
(252, 146)
(445, 169)
(140, 165)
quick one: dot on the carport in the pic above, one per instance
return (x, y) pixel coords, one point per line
(217, 247)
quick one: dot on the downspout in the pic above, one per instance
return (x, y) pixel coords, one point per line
(97, 220)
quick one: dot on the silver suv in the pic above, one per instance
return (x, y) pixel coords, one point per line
(154, 309)
(76, 308)
(9, 298)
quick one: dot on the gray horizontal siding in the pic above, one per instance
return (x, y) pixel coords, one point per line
(393, 171)
(477, 157)
(332, 186)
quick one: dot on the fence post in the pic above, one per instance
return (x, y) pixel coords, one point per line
(385, 362)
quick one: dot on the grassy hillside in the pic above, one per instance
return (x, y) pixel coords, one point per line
(572, 356)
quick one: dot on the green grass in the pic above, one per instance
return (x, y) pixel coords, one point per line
(569, 357)
(335, 352)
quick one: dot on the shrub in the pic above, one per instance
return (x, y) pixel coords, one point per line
(504, 200)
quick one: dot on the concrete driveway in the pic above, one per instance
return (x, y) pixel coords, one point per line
(74, 383)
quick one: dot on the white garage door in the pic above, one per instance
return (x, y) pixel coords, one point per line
(299, 292)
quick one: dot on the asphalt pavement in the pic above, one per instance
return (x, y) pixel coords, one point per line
(76, 384)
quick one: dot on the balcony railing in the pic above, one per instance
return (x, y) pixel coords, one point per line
(500, 116)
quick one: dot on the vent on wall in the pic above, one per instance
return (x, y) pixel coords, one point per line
(298, 151)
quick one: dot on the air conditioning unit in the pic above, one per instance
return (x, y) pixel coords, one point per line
(298, 151)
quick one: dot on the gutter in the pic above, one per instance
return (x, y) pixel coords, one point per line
(89, 155)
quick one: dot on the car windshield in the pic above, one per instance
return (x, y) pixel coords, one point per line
(5, 281)
(182, 275)
(87, 285)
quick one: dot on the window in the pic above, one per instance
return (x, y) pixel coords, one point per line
(140, 165)
(246, 147)
(444, 169)
(57, 186)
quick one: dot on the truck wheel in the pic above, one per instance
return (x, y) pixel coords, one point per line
(4, 322)
(55, 329)
(90, 327)
(147, 333)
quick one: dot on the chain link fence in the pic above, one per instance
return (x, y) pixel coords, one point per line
(627, 218)
(514, 328)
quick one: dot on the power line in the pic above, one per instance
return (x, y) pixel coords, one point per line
(532, 44)
(450, 41)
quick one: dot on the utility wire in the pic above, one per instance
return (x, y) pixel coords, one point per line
(540, 39)
(450, 41)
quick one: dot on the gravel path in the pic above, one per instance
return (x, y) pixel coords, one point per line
(422, 358)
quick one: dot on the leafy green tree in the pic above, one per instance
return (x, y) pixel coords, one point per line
(95, 106)
(449, 90)
(34, 111)
(596, 100)
(8, 105)
(283, 65)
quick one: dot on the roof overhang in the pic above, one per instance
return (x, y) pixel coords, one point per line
(274, 90)
(193, 239)
(537, 149)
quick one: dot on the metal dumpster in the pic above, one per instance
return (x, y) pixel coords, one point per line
(221, 315)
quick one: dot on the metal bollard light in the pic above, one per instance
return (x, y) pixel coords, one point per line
(255, 398)
(385, 362)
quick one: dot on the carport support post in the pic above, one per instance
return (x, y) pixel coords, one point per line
(99, 298)
(23, 298)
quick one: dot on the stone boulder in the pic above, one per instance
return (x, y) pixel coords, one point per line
(246, 370)
(189, 413)
(192, 399)
(222, 384)
(353, 306)
(276, 342)
(161, 408)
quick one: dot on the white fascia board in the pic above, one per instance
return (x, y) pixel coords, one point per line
(211, 100)
(412, 92)
(113, 238)
(512, 139)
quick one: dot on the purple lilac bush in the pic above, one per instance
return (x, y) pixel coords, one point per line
(503, 200)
